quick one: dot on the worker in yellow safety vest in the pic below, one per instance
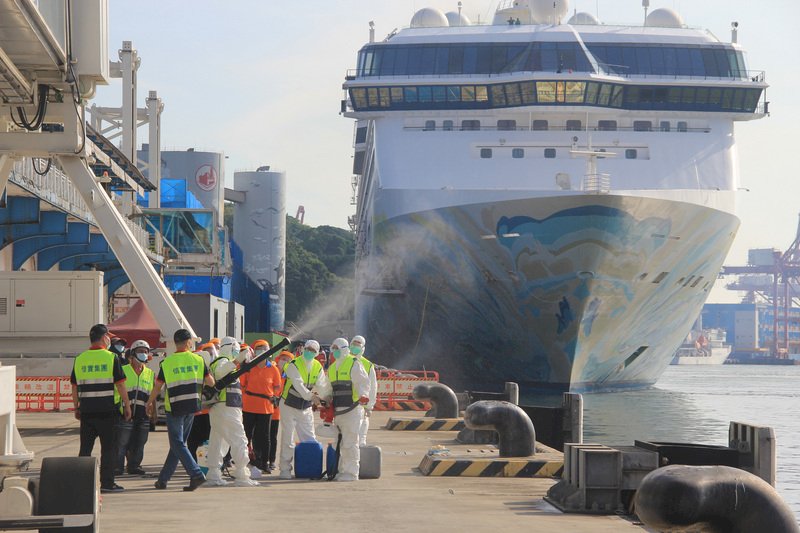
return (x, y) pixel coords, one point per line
(350, 385)
(305, 384)
(132, 434)
(183, 373)
(99, 396)
(357, 347)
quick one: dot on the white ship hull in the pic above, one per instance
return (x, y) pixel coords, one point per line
(574, 292)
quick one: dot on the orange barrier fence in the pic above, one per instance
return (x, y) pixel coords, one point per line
(395, 389)
(44, 393)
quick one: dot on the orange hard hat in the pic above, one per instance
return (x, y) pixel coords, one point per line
(215, 340)
(284, 353)
(206, 345)
(260, 342)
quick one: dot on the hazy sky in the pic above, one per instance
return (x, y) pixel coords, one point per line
(261, 81)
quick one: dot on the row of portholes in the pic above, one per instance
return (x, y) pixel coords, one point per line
(549, 153)
(570, 125)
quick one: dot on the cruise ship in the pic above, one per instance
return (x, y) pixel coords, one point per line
(545, 199)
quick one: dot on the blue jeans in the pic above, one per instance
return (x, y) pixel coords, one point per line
(131, 438)
(178, 428)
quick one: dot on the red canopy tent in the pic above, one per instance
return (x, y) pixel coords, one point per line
(138, 323)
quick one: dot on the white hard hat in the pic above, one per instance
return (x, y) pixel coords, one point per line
(312, 345)
(140, 344)
(359, 339)
(339, 343)
(229, 346)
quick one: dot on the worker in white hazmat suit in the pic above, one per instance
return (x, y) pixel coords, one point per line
(350, 386)
(357, 347)
(226, 422)
(305, 384)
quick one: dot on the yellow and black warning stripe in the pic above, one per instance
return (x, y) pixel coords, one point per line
(425, 424)
(402, 405)
(506, 467)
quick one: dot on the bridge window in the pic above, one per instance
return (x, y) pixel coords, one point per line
(574, 125)
(631, 153)
(642, 125)
(664, 125)
(429, 125)
(644, 97)
(447, 125)
(550, 153)
(656, 59)
(682, 126)
(486, 153)
(517, 153)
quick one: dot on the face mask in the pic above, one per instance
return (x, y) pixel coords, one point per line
(308, 355)
(339, 353)
(142, 357)
(356, 350)
(119, 347)
(261, 351)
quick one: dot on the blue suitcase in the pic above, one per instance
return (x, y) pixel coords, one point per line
(308, 460)
(330, 458)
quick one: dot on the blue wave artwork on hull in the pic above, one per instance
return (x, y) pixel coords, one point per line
(565, 294)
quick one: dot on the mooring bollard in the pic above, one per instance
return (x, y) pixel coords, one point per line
(727, 498)
(445, 403)
(517, 437)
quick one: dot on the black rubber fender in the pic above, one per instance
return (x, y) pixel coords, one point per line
(444, 400)
(69, 485)
(711, 498)
(516, 434)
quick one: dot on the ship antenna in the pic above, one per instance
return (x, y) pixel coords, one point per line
(645, 5)
(593, 181)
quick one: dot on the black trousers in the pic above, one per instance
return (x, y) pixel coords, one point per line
(273, 439)
(256, 427)
(102, 425)
(201, 430)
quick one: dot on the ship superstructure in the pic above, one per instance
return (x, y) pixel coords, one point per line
(541, 202)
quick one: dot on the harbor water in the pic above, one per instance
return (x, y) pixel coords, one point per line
(696, 403)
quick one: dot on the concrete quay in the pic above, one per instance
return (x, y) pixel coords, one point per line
(401, 500)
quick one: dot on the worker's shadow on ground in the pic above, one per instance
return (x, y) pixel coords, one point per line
(532, 508)
(49, 432)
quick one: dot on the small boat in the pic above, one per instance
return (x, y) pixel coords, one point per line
(703, 347)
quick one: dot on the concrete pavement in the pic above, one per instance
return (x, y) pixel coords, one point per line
(402, 499)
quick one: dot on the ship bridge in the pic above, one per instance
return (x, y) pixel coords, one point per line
(617, 67)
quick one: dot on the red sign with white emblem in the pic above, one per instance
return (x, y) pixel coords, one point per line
(206, 178)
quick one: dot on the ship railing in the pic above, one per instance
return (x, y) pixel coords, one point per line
(597, 183)
(53, 186)
(656, 128)
(604, 69)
